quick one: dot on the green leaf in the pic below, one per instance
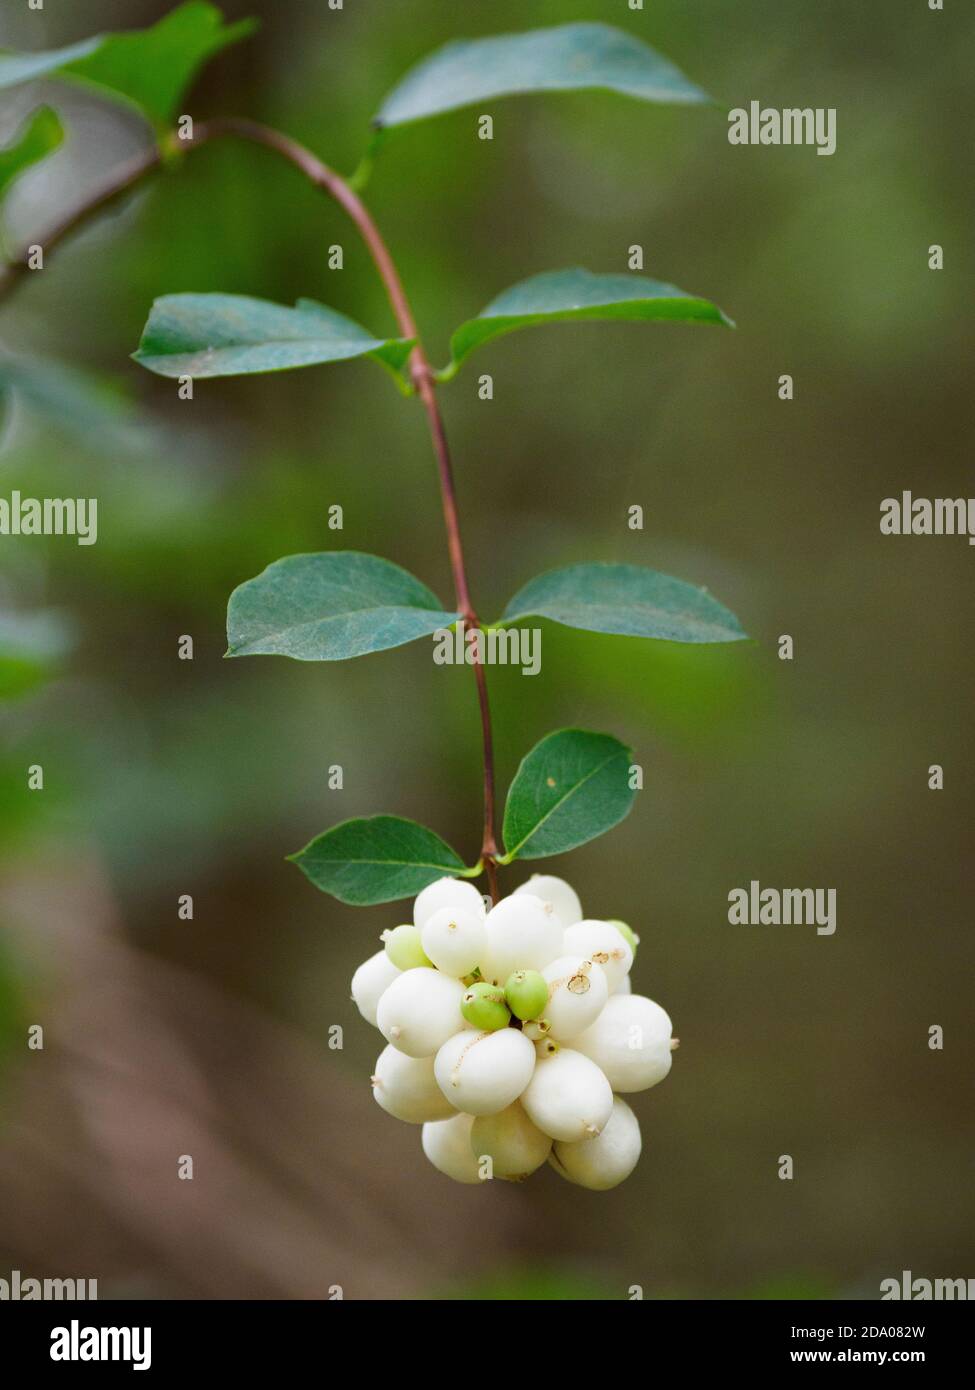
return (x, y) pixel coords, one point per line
(571, 57)
(562, 296)
(148, 68)
(376, 860)
(209, 335)
(39, 135)
(31, 647)
(331, 607)
(628, 600)
(571, 787)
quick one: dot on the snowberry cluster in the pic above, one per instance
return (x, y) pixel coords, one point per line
(509, 1032)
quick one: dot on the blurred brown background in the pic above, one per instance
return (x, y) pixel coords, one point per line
(165, 777)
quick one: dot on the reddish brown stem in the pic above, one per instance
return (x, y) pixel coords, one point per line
(324, 177)
(423, 379)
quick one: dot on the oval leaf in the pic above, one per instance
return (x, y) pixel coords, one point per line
(148, 68)
(570, 57)
(571, 787)
(628, 600)
(562, 296)
(209, 335)
(39, 135)
(376, 859)
(330, 607)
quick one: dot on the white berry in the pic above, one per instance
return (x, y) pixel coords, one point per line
(514, 1145)
(630, 1042)
(509, 1029)
(565, 900)
(407, 1089)
(369, 983)
(420, 1010)
(523, 934)
(605, 1161)
(482, 1073)
(568, 1097)
(447, 1144)
(601, 942)
(454, 893)
(577, 993)
(455, 940)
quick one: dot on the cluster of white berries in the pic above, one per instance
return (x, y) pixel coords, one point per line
(512, 1032)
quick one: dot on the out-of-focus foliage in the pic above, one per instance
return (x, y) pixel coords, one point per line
(150, 69)
(40, 134)
(65, 399)
(31, 646)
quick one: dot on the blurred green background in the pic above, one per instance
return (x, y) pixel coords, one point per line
(164, 777)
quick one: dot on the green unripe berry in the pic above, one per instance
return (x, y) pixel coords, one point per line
(627, 933)
(404, 948)
(526, 994)
(483, 1007)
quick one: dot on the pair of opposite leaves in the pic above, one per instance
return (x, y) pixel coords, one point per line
(219, 335)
